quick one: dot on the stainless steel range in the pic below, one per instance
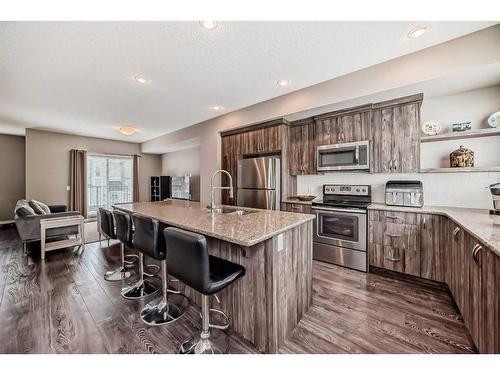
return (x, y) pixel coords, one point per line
(340, 227)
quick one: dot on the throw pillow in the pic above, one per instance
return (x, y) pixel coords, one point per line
(24, 209)
(39, 207)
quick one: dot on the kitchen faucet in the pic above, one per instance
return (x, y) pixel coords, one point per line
(212, 187)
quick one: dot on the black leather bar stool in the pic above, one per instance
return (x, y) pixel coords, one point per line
(108, 228)
(124, 233)
(190, 262)
(149, 239)
(143, 287)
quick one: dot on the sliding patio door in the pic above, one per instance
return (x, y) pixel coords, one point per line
(109, 181)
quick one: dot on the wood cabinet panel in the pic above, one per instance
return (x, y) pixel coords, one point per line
(475, 261)
(296, 207)
(394, 241)
(395, 132)
(490, 294)
(302, 148)
(432, 263)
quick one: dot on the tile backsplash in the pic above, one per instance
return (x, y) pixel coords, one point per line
(440, 189)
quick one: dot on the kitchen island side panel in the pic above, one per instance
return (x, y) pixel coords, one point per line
(266, 304)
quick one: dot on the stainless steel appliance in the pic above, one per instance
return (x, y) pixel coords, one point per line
(495, 194)
(404, 193)
(343, 157)
(185, 187)
(340, 227)
(259, 183)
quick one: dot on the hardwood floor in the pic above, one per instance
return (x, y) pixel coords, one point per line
(65, 306)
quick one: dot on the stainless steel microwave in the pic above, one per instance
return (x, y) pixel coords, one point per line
(343, 157)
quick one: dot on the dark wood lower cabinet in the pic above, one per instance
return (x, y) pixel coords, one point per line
(436, 248)
(296, 207)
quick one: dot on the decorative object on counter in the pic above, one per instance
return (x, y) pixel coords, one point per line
(431, 127)
(462, 157)
(305, 198)
(461, 126)
(495, 194)
(494, 120)
(404, 193)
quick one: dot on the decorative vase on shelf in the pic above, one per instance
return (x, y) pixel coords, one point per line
(462, 157)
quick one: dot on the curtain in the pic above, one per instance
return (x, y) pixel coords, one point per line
(135, 177)
(78, 181)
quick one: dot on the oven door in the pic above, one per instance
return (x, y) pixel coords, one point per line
(343, 157)
(340, 227)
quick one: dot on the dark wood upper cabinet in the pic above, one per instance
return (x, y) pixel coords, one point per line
(302, 147)
(344, 126)
(395, 129)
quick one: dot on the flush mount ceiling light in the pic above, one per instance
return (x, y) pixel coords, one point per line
(417, 31)
(141, 79)
(127, 130)
(283, 82)
(216, 107)
(209, 25)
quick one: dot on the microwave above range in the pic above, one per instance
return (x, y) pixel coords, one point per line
(343, 157)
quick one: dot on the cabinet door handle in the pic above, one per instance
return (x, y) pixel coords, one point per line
(475, 253)
(390, 165)
(392, 235)
(457, 229)
(393, 259)
(394, 165)
(423, 222)
(391, 217)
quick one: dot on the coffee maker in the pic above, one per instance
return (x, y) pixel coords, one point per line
(495, 194)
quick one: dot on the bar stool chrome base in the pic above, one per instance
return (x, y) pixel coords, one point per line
(118, 274)
(160, 312)
(168, 308)
(141, 289)
(216, 343)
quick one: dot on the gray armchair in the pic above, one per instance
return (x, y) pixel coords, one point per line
(28, 226)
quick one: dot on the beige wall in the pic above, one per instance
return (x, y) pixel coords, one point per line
(180, 163)
(47, 163)
(12, 174)
(454, 57)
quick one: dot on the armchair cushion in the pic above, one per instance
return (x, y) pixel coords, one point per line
(39, 207)
(29, 226)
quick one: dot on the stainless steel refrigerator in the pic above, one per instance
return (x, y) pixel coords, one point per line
(259, 183)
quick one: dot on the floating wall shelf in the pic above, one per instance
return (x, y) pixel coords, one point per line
(460, 169)
(461, 135)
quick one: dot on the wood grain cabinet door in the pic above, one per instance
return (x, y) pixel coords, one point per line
(432, 252)
(475, 260)
(394, 241)
(490, 294)
(460, 259)
(272, 139)
(395, 130)
(302, 148)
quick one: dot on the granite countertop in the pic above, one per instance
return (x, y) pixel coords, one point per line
(245, 230)
(478, 222)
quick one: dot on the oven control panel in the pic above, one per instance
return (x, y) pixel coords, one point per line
(360, 190)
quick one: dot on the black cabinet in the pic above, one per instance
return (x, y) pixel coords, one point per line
(160, 188)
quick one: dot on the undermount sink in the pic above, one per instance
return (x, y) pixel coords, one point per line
(232, 211)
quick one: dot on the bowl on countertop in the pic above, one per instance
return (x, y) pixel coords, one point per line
(305, 198)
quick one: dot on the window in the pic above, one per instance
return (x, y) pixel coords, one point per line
(109, 181)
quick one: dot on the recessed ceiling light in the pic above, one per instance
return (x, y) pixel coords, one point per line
(283, 82)
(127, 130)
(209, 25)
(216, 107)
(417, 31)
(141, 79)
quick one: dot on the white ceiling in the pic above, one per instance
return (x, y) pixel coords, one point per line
(78, 77)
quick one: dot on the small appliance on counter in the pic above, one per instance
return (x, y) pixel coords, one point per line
(495, 194)
(408, 193)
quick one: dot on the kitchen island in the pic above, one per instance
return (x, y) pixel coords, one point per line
(275, 248)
